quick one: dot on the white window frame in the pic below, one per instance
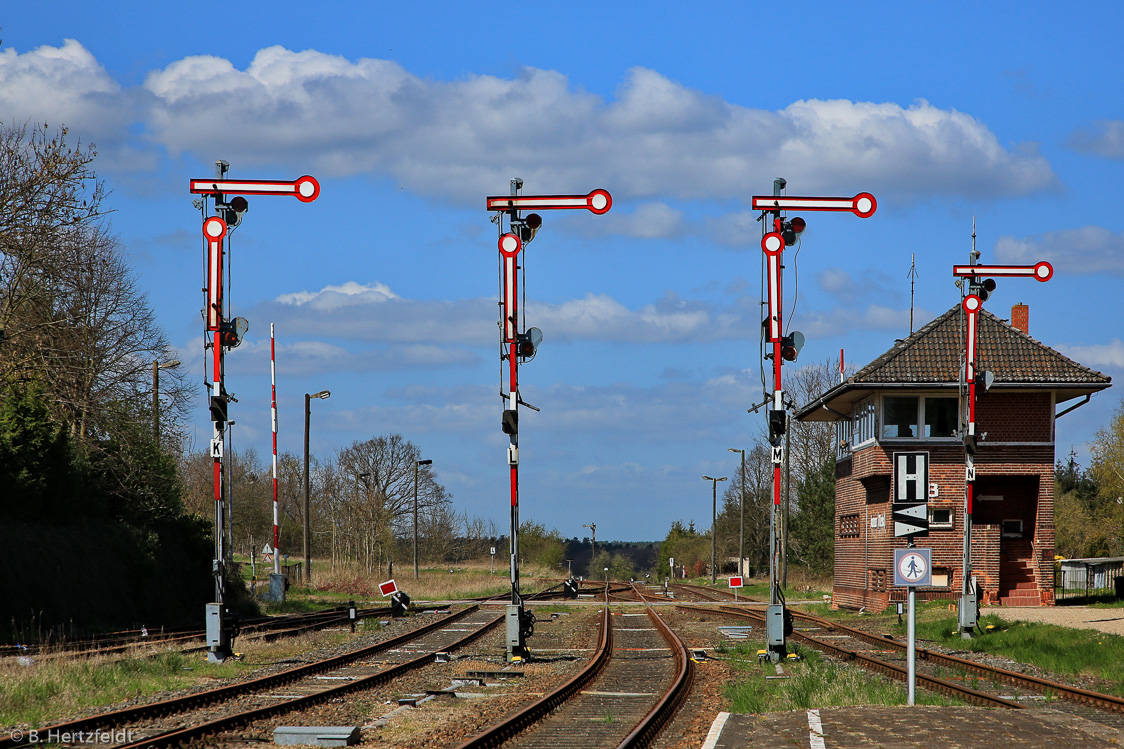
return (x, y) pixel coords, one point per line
(918, 421)
(864, 423)
(951, 517)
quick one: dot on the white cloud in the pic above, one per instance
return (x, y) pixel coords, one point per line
(647, 221)
(1105, 138)
(67, 86)
(655, 140)
(1090, 249)
(658, 138)
(1106, 355)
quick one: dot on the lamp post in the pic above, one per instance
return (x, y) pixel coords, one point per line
(307, 520)
(156, 367)
(713, 525)
(416, 464)
(741, 514)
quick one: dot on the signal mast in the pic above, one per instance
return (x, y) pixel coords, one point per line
(520, 344)
(781, 232)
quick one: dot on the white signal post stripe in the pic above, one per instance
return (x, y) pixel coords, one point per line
(510, 245)
(305, 189)
(862, 205)
(1042, 271)
(772, 244)
(597, 201)
(214, 229)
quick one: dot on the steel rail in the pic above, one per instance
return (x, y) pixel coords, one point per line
(496, 734)
(192, 701)
(193, 733)
(651, 724)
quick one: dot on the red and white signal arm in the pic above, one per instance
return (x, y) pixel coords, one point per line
(1042, 271)
(862, 205)
(388, 588)
(214, 229)
(736, 581)
(305, 189)
(597, 201)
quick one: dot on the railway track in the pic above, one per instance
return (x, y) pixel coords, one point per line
(882, 653)
(192, 717)
(610, 703)
(263, 628)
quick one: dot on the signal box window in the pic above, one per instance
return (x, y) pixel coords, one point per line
(941, 417)
(899, 417)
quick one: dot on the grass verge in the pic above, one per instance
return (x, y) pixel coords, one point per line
(812, 682)
(1054, 649)
(49, 689)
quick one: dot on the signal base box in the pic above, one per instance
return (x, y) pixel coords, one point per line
(276, 592)
(516, 645)
(774, 630)
(218, 639)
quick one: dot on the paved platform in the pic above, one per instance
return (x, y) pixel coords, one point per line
(917, 727)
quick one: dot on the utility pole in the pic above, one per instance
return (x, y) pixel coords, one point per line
(713, 527)
(780, 232)
(416, 464)
(741, 515)
(520, 344)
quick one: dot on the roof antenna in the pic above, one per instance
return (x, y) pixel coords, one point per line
(912, 279)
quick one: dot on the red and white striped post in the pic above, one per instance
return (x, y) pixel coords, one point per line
(273, 420)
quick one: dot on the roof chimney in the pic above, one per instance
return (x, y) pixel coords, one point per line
(1020, 317)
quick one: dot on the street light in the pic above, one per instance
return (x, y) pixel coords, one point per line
(741, 514)
(416, 464)
(156, 367)
(307, 520)
(713, 525)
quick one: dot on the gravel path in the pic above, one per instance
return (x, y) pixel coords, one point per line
(1080, 617)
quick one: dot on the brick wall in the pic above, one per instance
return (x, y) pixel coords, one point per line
(1022, 473)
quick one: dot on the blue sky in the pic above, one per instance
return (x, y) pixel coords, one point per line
(384, 290)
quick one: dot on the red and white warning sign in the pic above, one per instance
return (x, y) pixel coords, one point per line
(388, 588)
(736, 581)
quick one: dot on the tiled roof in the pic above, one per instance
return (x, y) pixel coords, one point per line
(931, 358)
(933, 355)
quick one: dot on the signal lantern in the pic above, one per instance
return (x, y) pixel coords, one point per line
(791, 345)
(777, 419)
(527, 344)
(530, 227)
(233, 210)
(792, 229)
(982, 288)
(218, 410)
(510, 423)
